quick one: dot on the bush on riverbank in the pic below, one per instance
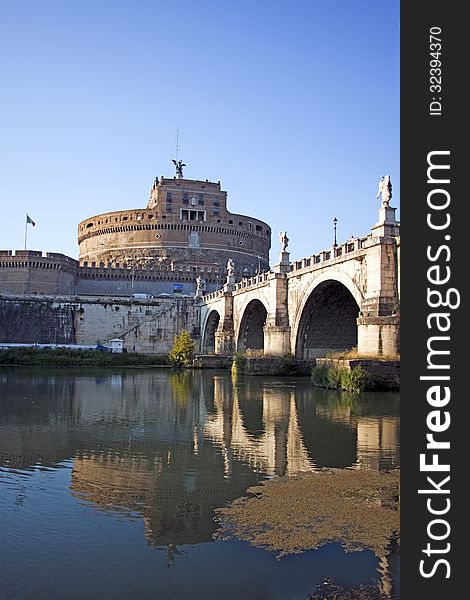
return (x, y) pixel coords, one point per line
(350, 380)
(65, 357)
(239, 363)
(183, 349)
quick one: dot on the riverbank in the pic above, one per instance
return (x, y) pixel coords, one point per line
(64, 357)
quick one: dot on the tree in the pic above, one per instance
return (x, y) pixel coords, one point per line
(183, 349)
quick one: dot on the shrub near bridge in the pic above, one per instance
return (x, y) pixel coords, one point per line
(350, 380)
(183, 349)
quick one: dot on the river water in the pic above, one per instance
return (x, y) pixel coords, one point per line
(109, 480)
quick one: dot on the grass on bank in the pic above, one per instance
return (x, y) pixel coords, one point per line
(353, 354)
(334, 378)
(64, 357)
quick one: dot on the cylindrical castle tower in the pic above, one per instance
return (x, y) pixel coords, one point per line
(185, 228)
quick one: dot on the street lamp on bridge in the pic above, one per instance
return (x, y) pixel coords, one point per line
(335, 221)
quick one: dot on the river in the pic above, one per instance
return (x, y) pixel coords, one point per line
(110, 478)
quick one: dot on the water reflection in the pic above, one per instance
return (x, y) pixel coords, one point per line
(169, 448)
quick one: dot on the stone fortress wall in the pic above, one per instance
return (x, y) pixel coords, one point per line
(35, 272)
(146, 326)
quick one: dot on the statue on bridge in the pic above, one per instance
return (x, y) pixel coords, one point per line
(284, 240)
(200, 284)
(385, 189)
(230, 267)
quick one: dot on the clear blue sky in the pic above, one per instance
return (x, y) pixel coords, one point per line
(293, 105)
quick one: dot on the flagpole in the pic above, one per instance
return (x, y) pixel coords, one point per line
(25, 232)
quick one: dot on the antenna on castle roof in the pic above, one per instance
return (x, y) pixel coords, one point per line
(177, 142)
(179, 164)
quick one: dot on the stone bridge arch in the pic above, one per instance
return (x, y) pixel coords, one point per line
(209, 328)
(326, 313)
(249, 334)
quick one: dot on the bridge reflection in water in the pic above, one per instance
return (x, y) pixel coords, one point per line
(169, 448)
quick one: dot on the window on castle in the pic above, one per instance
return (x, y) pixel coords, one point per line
(169, 209)
(185, 198)
(169, 197)
(216, 201)
(200, 199)
(193, 215)
(216, 211)
(259, 228)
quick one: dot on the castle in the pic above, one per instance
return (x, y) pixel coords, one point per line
(185, 232)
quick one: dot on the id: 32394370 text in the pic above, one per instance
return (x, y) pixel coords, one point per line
(435, 71)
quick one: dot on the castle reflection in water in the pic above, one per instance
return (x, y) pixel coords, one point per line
(170, 447)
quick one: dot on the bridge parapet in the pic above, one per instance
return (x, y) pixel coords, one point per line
(252, 281)
(212, 296)
(318, 260)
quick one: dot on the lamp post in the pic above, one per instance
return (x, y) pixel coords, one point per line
(133, 263)
(335, 221)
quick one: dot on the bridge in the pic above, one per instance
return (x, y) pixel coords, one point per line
(344, 297)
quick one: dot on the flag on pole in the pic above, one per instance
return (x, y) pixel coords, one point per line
(30, 220)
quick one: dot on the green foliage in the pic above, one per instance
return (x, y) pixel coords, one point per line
(183, 349)
(239, 363)
(246, 363)
(286, 365)
(333, 378)
(350, 380)
(353, 380)
(319, 376)
(65, 357)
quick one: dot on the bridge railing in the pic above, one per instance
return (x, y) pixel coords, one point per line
(213, 295)
(347, 247)
(310, 261)
(249, 281)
